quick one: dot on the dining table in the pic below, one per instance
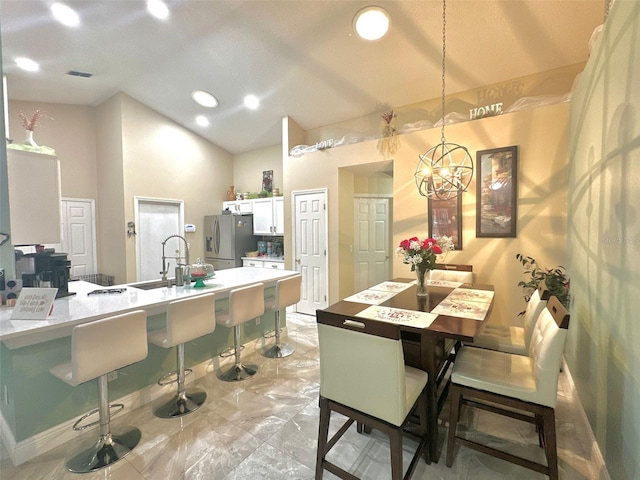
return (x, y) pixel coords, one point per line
(432, 328)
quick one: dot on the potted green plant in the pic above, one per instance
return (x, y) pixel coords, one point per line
(555, 279)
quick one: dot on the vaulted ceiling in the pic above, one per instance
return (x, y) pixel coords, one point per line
(301, 58)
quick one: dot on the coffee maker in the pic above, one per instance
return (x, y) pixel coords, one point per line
(45, 269)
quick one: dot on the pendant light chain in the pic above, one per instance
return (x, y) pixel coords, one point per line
(446, 169)
(444, 52)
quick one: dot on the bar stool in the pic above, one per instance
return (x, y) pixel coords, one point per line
(244, 304)
(98, 348)
(187, 319)
(287, 293)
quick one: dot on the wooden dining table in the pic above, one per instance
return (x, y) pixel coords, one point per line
(432, 347)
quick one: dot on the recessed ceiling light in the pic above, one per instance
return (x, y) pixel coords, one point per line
(251, 101)
(204, 98)
(372, 23)
(27, 64)
(158, 9)
(65, 14)
(202, 121)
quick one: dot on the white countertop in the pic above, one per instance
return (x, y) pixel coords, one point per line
(82, 308)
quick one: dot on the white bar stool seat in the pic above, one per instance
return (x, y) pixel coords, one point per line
(287, 293)
(245, 304)
(187, 319)
(98, 348)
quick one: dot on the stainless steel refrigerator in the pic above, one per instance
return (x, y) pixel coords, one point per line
(227, 238)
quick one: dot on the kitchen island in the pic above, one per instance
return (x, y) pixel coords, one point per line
(37, 409)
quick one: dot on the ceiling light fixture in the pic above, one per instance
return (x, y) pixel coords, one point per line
(371, 23)
(252, 102)
(445, 170)
(27, 64)
(202, 121)
(204, 98)
(158, 9)
(65, 14)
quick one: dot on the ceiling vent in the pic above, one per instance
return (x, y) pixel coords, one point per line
(75, 73)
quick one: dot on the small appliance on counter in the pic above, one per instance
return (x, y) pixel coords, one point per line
(44, 269)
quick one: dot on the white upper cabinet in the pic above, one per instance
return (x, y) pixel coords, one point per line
(34, 197)
(238, 206)
(268, 216)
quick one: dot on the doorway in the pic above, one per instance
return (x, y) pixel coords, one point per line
(78, 235)
(372, 238)
(310, 248)
(156, 219)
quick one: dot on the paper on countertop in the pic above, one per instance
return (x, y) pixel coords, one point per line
(399, 316)
(34, 304)
(395, 287)
(471, 295)
(462, 309)
(372, 297)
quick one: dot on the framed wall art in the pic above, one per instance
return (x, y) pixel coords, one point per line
(445, 218)
(497, 192)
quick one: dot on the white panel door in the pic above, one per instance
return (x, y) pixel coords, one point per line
(372, 239)
(310, 249)
(157, 219)
(79, 235)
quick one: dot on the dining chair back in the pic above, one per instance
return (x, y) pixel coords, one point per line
(363, 377)
(511, 338)
(453, 273)
(517, 386)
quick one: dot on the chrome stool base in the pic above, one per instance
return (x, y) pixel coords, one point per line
(108, 450)
(181, 404)
(278, 351)
(238, 372)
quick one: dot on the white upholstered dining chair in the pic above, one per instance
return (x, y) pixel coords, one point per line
(364, 378)
(511, 338)
(517, 386)
(452, 273)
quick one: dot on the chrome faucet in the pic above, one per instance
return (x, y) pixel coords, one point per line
(177, 257)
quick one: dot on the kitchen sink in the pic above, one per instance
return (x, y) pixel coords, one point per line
(153, 284)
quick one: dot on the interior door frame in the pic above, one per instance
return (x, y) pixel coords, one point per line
(325, 193)
(136, 215)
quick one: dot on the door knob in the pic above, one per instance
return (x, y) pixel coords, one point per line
(297, 260)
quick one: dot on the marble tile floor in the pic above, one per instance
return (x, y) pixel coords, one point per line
(266, 428)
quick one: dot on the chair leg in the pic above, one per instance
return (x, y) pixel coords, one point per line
(109, 448)
(279, 350)
(185, 400)
(454, 415)
(323, 433)
(395, 444)
(238, 371)
(550, 445)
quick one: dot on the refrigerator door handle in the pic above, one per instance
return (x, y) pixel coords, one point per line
(216, 233)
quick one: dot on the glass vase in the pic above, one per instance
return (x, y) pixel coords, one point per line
(422, 276)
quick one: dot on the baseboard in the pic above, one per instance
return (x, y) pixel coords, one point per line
(596, 455)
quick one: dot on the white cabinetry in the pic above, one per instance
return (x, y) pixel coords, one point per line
(268, 216)
(238, 206)
(34, 197)
(261, 263)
